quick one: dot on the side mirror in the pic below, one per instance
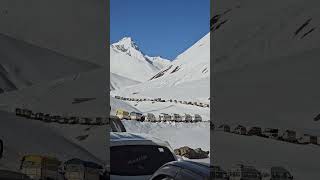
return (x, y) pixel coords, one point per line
(1, 148)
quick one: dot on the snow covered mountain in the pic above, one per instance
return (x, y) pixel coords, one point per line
(193, 64)
(129, 61)
(117, 82)
(247, 32)
(158, 61)
(187, 74)
(129, 47)
(35, 137)
(266, 74)
(23, 64)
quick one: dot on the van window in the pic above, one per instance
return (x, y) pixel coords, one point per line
(31, 164)
(138, 160)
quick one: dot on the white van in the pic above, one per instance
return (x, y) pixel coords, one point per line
(135, 116)
(164, 117)
(150, 117)
(197, 118)
(137, 156)
(242, 172)
(176, 118)
(187, 118)
(276, 173)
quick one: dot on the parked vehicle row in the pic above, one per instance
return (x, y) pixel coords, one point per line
(44, 167)
(163, 117)
(244, 172)
(272, 133)
(29, 114)
(200, 104)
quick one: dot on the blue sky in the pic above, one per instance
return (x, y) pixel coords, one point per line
(160, 27)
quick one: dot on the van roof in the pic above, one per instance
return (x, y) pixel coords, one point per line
(84, 163)
(38, 158)
(125, 138)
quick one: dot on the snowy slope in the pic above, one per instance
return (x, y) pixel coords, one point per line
(23, 64)
(118, 104)
(128, 61)
(266, 74)
(193, 64)
(257, 31)
(117, 82)
(129, 47)
(186, 78)
(177, 134)
(22, 137)
(301, 160)
(129, 67)
(158, 61)
(58, 96)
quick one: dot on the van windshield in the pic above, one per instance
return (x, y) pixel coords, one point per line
(138, 160)
(31, 164)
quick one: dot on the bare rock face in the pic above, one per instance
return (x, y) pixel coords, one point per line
(191, 153)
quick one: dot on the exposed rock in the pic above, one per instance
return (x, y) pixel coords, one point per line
(191, 153)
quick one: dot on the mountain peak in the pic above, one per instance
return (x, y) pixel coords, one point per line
(126, 43)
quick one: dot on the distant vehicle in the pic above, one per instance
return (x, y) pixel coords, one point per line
(85, 120)
(182, 170)
(308, 139)
(240, 130)
(289, 135)
(55, 118)
(271, 133)
(242, 172)
(122, 114)
(276, 173)
(64, 120)
(18, 112)
(187, 118)
(150, 117)
(176, 117)
(197, 118)
(77, 169)
(26, 113)
(255, 131)
(116, 124)
(117, 97)
(135, 116)
(73, 120)
(11, 175)
(164, 117)
(217, 173)
(39, 116)
(40, 167)
(135, 156)
(224, 127)
(47, 118)
(98, 121)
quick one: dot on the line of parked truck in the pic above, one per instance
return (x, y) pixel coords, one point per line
(200, 104)
(162, 117)
(244, 172)
(38, 167)
(273, 133)
(46, 117)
